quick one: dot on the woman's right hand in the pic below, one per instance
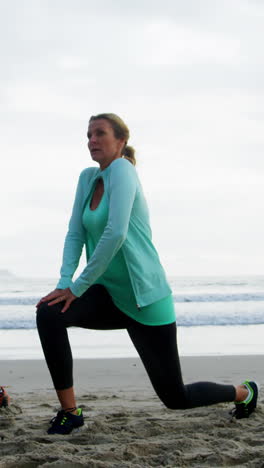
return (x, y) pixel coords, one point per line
(49, 297)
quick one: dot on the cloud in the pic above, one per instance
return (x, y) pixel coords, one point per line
(174, 45)
(187, 77)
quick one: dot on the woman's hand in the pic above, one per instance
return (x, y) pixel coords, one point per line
(58, 295)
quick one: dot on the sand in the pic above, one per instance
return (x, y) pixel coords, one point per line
(126, 425)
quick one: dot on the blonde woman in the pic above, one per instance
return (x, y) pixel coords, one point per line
(123, 285)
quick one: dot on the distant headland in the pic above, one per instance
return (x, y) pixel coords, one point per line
(6, 273)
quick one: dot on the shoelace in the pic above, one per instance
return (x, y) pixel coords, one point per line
(58, 418)
(237, 410)
(61, 418)
(240, 409)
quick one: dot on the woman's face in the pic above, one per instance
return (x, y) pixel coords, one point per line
(104, 147)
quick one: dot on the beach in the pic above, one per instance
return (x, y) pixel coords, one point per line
(220, 336)
(125, 423)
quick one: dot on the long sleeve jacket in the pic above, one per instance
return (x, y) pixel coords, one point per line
(127, 228)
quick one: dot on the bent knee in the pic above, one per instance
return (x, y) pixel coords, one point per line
(45, 314)
(176, 405)
(175, 401)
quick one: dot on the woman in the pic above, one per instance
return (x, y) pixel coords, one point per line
(122, 286)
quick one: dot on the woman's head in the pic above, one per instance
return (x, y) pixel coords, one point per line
(108, 136)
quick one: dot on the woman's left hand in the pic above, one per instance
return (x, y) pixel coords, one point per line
(60, 295)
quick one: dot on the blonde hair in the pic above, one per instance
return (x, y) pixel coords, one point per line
(120, 131)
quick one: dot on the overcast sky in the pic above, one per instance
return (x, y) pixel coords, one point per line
(187, 78)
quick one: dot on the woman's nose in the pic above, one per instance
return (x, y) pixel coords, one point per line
(92, 139)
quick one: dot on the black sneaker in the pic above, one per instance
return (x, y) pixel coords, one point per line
(243, 409)
(65, 422)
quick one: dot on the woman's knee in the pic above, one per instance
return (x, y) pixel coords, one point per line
(175, 400)
(45, 315)
(176, 405)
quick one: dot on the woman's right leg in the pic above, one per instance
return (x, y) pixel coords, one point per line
(157, 347)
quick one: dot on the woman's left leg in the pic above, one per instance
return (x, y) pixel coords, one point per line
(157, 347)
(94, 309)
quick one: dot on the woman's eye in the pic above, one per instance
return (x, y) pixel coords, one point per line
(97, 133)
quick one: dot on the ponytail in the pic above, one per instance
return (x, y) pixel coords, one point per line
(129, 154)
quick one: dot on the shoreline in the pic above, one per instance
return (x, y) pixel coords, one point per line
(205, 341)
(129, 373)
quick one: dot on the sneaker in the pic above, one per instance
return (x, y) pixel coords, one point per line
(243, 409)
(65, 422)
(4, 398)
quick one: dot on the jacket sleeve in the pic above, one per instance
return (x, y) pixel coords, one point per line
(74, 239)
(122, 188)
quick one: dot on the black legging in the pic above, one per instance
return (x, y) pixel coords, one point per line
(156, 345)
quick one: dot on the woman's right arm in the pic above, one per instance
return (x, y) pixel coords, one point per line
(73, 244)
(74, 240)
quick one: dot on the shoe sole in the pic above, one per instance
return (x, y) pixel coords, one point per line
(258, 386)
(78, 429)
(74, 431)
(258, 389)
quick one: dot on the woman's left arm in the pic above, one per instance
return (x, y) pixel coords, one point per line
(123, 185)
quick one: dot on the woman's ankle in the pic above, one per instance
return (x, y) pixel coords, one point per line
(241, 393)
(71, 410)
(67, 400)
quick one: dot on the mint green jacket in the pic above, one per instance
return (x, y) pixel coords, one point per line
(127, 228)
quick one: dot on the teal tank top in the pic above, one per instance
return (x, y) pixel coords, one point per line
(116, 278)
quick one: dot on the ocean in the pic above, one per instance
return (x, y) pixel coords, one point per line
(215, 316)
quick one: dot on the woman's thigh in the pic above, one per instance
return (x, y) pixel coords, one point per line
(96, 310)
(157, 347)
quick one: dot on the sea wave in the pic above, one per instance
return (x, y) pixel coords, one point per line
(188, 315)
(218, 297)
(178, 298)
(19, 300)
(17, 324)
